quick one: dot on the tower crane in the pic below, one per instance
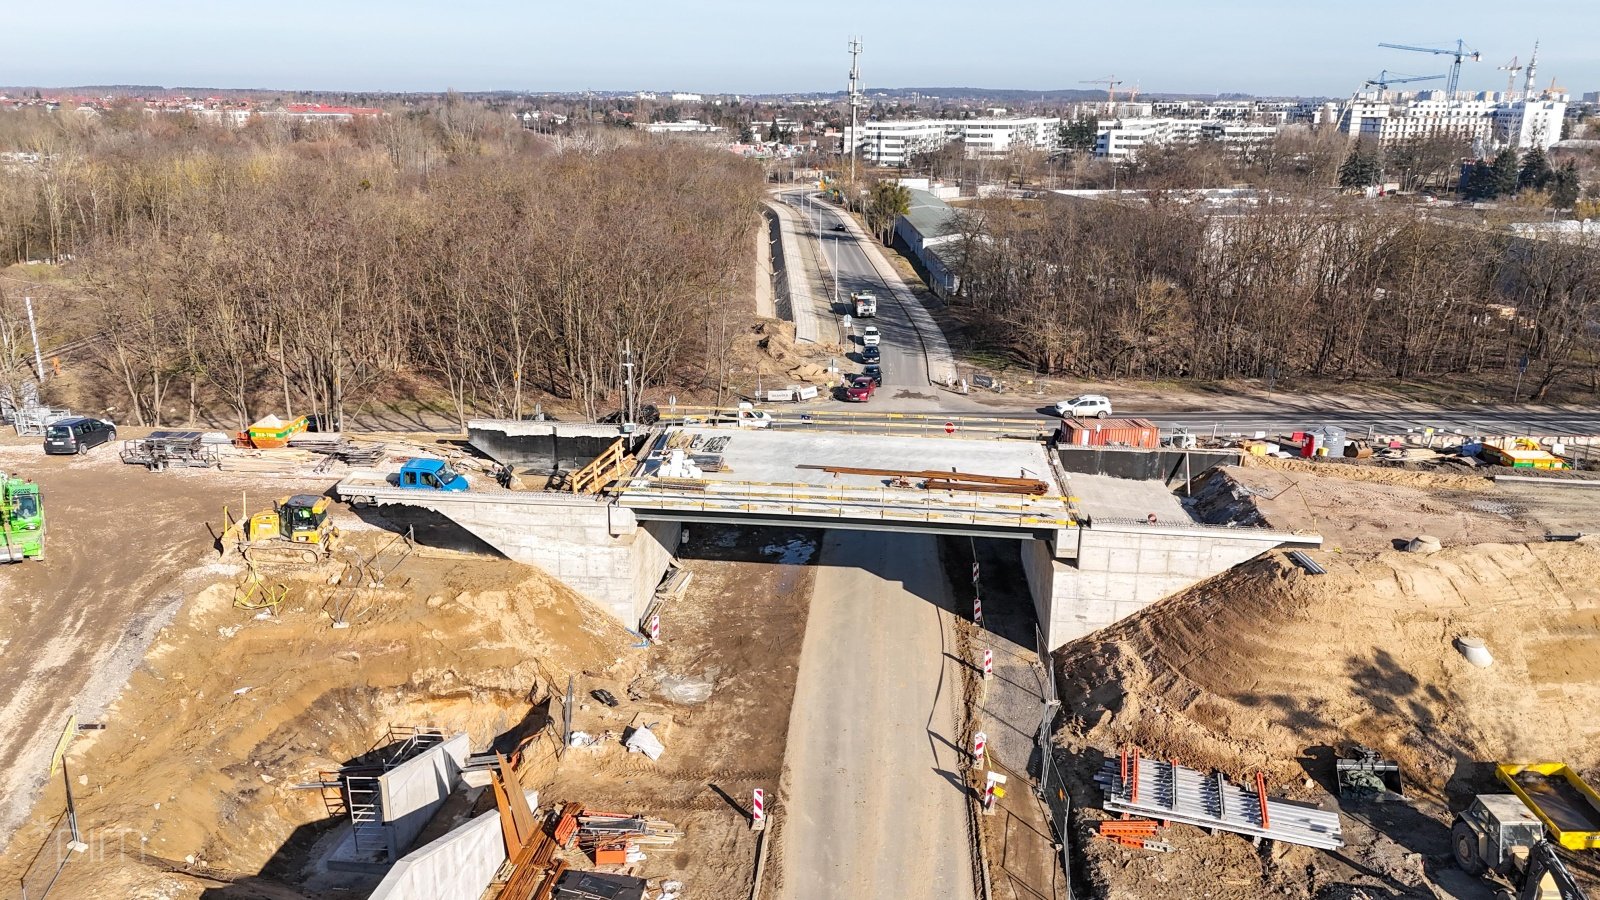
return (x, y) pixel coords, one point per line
(1110, 81)
(1460, 52)
(1512, 67)
(1383, 80)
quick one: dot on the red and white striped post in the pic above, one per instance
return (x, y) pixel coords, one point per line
(655, 629)
(758, 810)
(977, 598)
(980, 741)
(974, 573)
(988, 664)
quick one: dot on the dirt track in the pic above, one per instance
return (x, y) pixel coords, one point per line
(73, 626)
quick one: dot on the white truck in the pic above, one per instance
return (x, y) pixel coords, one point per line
(746, 416)
(866, 304)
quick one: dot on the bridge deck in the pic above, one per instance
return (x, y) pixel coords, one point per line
(759, 475)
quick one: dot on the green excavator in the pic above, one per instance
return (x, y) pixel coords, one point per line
(21, 520)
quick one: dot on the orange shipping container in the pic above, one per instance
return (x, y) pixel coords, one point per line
(1141, 433)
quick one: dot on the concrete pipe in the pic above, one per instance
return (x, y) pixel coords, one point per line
(1475, 651)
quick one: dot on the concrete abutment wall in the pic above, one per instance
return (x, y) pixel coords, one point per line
(597, 548)
(1120, 570)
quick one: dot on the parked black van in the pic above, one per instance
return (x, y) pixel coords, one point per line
(77, 434)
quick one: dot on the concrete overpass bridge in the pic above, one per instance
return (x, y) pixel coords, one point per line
(1089, 560)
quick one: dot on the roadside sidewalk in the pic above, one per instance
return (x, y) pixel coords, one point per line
(797, 273)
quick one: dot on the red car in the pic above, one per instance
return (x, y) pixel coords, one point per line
(860, 389)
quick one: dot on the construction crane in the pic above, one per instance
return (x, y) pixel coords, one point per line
(1460, 52)
(1110, 81)
(1512, 67)
(1383, 80)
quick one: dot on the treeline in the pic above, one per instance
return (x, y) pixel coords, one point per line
(311, 272)
(1293, 288)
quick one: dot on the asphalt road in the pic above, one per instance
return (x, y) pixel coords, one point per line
(874, 802)
(1276, 418)
(905, 367)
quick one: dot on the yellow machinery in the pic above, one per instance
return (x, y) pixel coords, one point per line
(296, 529)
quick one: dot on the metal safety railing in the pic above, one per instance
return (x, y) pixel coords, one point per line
(844, 501)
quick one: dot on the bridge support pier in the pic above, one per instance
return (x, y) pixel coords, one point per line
(1115, 571)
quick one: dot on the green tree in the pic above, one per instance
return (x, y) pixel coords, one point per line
(1563, 185)
(1478, 183)
(1535, 171)
(1566, 129)
(886, 201)
(1506, 173)
(1361, 168)
(1080, 134)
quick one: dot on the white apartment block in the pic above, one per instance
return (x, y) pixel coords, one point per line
(1529, 123)
(1486, 123)
(1124, 138)
(894, 142)
(687, 126)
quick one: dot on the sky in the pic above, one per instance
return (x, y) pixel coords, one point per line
(1262, 47)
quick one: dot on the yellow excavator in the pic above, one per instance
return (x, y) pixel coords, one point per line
(295, 530)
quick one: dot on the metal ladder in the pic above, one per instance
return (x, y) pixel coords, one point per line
(366, 814)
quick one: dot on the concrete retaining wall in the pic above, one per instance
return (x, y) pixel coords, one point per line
(1121, 570)
(540, 446)
(413, 791)
(598, 549)
(458, 866)
(1168, 466)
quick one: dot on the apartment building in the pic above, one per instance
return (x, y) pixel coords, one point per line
(1485, 123)
(1124, 138)
(895, 142)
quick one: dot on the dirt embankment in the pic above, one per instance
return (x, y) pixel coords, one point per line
(1266, 668)
(193, 771)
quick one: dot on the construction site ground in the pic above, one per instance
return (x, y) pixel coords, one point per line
(211, 712)
(1270, 668)
(1020, 845)
(1369, 507)
(735, 633)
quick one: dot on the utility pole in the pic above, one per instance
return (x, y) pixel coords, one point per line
(38, 360)
(855, 101)
(627, 366)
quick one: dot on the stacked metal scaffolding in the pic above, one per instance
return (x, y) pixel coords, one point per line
(1160, 789)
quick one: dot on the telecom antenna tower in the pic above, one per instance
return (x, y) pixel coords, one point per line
(855, 101)
(1529, 86)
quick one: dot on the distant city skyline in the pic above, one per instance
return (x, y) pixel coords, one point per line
(1260, 47)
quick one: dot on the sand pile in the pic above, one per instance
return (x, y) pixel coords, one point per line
(193, 771)
(1264, 666)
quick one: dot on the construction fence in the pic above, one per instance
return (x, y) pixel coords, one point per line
(1052, 781)
(55, 851)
